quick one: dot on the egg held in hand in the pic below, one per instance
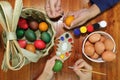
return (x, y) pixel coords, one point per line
(68, 20)
(39, 44)
(58, 66)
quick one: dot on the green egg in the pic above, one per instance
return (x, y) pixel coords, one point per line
(46, 37)
(30, 35)
(58, 66)
(20, 33)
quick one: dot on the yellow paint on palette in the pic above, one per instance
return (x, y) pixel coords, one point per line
(62, 56)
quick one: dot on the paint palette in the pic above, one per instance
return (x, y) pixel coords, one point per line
(64, 45)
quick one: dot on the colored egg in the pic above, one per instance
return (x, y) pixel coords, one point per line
(31, 48)
(30, 35)
(20, 33)
(43, 26)
(99, 47)
(22, 43)
(22, 23)
(109, 45)
(58, 66)
(94, 38)
(39, 44)
(33, 25)
(46, 37)
(108, 56)
(68, 20)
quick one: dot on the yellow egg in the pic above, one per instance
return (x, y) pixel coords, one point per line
(99, 47)
(94, 38)
(109, 45)
(108, 56)
(89, 50)
(68, 20)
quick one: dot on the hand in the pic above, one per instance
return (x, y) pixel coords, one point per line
(83, 15)
(48, 72)
(53, 8)
(83, 75)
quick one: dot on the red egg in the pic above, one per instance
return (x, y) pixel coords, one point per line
(22, 23)
(39, 44)
(22, 43)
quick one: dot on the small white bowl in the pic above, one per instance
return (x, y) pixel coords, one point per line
(99, 60)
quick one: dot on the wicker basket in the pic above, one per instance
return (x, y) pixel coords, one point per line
(15, 57)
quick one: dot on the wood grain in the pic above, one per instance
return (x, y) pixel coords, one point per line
(33, 70)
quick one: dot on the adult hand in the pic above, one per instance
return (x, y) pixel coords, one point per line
(53, 8)
(82, 16)
(48, 72)
(82, 74)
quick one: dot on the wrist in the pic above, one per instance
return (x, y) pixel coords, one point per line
(43, 76)
(94, 11)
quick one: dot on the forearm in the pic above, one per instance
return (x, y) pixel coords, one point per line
(94, 11)
(44, 76)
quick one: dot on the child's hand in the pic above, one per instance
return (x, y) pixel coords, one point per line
(83, 75)
(53, 8)
(48, 72)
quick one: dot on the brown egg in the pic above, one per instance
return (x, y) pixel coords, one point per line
(88, 43)
(103, 38)
(33, 25)
(30, 47)
(94, 38)
(109, 45)
(99, 47)
(89, 50)
(95, 56)
(108, 56)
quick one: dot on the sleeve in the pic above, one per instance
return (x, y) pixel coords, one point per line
(104, 4)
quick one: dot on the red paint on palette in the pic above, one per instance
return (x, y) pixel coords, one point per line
(67, 54)
(70, 40)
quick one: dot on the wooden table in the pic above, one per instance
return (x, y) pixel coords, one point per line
(33, 70)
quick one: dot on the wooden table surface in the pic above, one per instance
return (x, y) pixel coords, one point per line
(33, 70)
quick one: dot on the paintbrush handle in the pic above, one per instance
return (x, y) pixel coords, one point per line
(93, 71)
(89, 71)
